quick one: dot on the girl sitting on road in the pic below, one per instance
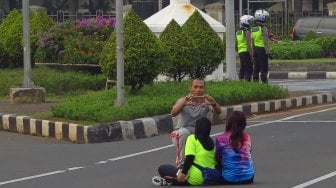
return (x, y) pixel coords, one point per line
(233, 151)
(199, 149)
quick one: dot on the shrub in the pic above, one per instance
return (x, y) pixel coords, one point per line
(310, 36)
(296, 50)
(11, 40)
(179, 49)
(50, 46)
(11, 31)
(79, 42)
(40, 22)
(208, 47)
(144, 53)
(98, 28)
(328, 45)
(80, 49)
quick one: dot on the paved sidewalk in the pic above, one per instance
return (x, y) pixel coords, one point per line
(25, 109)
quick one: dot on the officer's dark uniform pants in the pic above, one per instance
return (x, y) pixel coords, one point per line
(246, 67)
(260, 65)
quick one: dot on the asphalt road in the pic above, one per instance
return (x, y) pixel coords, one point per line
(293, 148)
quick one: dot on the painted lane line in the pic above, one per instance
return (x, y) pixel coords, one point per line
(100, 162)
(76, 168)
(149, 151)
(308, 113)
(316, 180)
(32, 177)
(140, 153)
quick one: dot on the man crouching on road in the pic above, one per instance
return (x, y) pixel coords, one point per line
(188, 109)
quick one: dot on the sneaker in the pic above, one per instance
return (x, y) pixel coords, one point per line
(159, 181)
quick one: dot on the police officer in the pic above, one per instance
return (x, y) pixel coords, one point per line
(261, 46)
(244, 45)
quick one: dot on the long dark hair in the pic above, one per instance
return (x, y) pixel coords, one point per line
(202, 133)
(236, 123)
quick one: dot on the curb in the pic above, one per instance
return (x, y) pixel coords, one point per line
(302, 75)
(143, 127)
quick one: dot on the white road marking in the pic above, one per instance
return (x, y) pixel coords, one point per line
(31, 177)
(76, 168)
(140, 153)
(316, 180)
(160, 148)
(100, 162)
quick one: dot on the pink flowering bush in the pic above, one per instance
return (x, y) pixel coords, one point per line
(99, 27)
(79, 42)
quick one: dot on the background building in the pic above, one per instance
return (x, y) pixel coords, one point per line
(146, 8)
(284, 13)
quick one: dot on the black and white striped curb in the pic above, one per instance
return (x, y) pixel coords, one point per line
(45, 128)
(302, 75)
(143, 127)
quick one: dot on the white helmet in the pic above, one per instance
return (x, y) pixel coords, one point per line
(246, 21)
(261, 15)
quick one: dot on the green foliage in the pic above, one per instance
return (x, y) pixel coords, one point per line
(144, 53)
(80, 49)
(296, 50)
(310, 36)
(40, 22)
(78, 42)
(224, 42)
(157, 99)
(55, 82)
(208, 47)
(11, 35)
(108, 61)
(11, 40)
(179, 48)
(328, 45)
(50, 46)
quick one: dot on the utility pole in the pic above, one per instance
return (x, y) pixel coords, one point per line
(231, 70)
(27, 82)
(120, 54)
(160, 4)
(28, 93)
(240, 8)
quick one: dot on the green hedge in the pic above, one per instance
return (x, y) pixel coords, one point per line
(158, 99)
(296, 50)
(55, 82)
(311, 47)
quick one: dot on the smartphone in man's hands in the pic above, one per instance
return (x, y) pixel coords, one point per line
(198, 99)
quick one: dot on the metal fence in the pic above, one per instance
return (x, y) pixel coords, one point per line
(279, 24)
(62, 16)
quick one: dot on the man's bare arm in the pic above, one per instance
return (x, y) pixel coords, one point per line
(266, 40)
(178, 106)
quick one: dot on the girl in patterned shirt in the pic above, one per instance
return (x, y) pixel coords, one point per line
(233, 151)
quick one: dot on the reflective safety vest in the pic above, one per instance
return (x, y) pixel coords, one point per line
(241, 41)
(257, 36)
